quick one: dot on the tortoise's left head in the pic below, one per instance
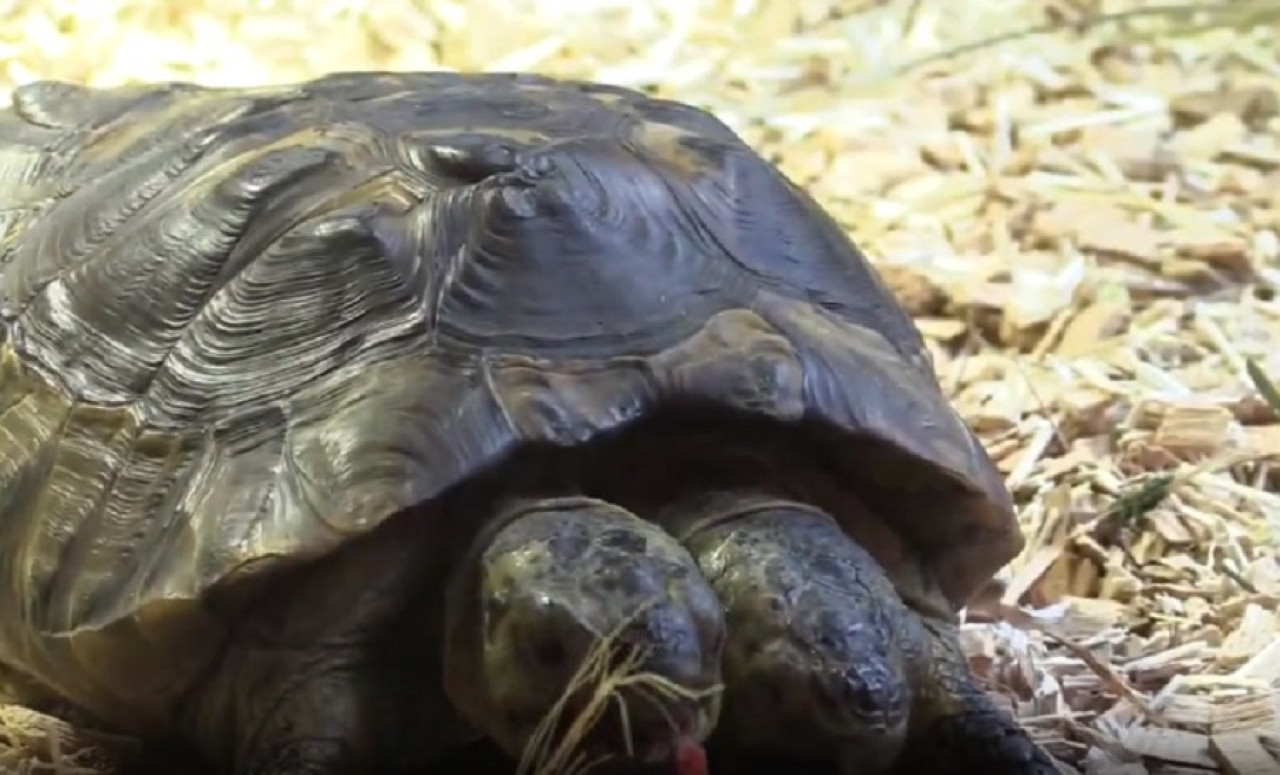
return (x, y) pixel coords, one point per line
(531, 626)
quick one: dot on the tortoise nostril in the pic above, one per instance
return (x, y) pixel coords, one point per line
(843, 698)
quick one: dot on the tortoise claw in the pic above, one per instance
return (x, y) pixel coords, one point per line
(985, 740)
(302, 757)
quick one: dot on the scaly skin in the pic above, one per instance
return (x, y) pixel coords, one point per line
(956, 727)
(824, 660)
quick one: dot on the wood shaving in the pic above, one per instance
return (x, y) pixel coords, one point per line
(1086, 222)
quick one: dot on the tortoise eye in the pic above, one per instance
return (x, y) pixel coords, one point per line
(548, 652)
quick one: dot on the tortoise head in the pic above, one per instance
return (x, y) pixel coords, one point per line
(572, 593)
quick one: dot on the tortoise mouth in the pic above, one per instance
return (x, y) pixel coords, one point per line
(631, 729)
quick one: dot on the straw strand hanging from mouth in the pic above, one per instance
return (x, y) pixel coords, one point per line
(609, 668)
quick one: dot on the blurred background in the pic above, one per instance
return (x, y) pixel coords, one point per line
(1079, 201)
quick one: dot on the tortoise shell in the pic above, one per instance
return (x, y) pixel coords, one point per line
(241, 326)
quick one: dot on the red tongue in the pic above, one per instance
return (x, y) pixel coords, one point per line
(691, 759)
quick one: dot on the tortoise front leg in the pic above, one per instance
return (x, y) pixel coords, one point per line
(955, 725)
(314, 721)
(335, 670)
(303, 757)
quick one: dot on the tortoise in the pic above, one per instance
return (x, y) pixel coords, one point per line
(341, 421)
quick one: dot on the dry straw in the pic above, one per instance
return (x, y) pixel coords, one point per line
(36, 744)
(611, 673)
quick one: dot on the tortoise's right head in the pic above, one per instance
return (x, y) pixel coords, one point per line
(560, 580)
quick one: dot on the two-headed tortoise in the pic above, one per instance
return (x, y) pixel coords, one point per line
(340, 422)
